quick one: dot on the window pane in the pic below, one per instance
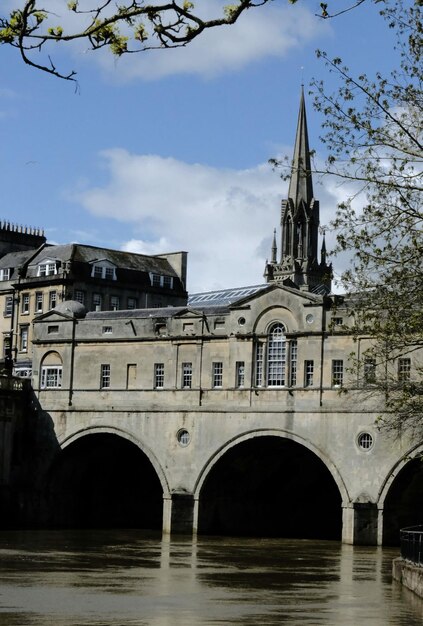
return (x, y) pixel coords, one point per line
(217, 374)
(276, 356)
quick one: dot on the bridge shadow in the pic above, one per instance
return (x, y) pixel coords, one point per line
(102, 480)
(270, 486)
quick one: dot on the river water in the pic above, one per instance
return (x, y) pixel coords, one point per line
(130, 578)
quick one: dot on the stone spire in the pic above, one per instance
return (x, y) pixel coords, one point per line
(299, 265)
(274, 248)
(301, 184)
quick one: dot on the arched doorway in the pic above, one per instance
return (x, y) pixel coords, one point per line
(102, 480)
(403, 504)
(270, 486)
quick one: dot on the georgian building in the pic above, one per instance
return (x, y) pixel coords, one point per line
(235, 413)
(35, 280)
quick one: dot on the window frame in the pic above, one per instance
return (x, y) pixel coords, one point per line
(186, 369)
(159, 376)
(58, 377)
(217, 374)
(337, 373)
(105, 376)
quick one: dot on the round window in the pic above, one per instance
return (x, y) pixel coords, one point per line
(183, 437)
(365, 441)
(310, 318)
(241, 321)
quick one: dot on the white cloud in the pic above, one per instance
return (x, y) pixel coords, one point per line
(223, 218)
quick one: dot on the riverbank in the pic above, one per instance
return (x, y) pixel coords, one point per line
(409, 575)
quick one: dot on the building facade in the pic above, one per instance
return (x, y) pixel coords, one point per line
(35, 280)
(234, 414)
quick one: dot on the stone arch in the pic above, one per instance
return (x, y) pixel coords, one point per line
(284, 434)
(400, 496)
(66, 441)
(395, 470)
(273, 315)
(266, 482)
(103, 477)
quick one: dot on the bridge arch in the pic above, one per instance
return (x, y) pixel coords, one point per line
(401, 495)
(103, 476)
(120, 432)
(280, 472)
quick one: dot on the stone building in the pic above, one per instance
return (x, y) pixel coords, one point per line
(234, 414)
(35, 279)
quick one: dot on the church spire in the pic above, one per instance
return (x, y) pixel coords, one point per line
(299, 264)
(274, 248)
(301, 184)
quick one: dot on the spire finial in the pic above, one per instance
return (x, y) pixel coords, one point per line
(274, 248)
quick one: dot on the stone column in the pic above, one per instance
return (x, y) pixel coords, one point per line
(178, 514)
(360, 524)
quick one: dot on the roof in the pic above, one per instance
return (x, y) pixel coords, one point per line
(223, 297)
(168, 311)
(15, 259)
(91, 254)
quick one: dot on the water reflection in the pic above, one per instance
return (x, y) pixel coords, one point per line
(128, 578)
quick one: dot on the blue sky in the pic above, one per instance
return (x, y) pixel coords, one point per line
(168, 150)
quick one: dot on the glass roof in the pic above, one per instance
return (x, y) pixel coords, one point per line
(223, 297)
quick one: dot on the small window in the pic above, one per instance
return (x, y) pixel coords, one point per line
(365, 441)
(52, 299)
(105, 376)
(183, 437)
(404, 370)
(7, 346)
(188, 327)
(293, 354)
(98, 271)
(132, 303)
(51, 376)
(158, 375)
(240, 374)
(97, 301)
(369, 370)
(155, 280)
(109, 273)
(107, 330)
(337, 321)
(8, 306)
(23, 339)
(39, 302)
(186, 375)
(308, 373)
(25, 303)
(47, 269)
(114, 303)
(337, 373)
(217, 374)
(259, 364)
(5, 274)
(167, 282)
(79, 296)
(52, 329)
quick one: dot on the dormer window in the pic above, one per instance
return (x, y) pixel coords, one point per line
(49, 268)
(5, 274)
(103, 270)
(160, 280)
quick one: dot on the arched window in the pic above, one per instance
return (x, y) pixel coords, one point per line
(276, 359)
(276, 356)
(51, 371)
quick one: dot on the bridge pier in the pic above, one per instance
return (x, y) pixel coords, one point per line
(178, 513)
(360, 523)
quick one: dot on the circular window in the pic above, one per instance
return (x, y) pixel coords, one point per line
(310, 318)
(365, 441)
(183, 437)
(241, 321)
